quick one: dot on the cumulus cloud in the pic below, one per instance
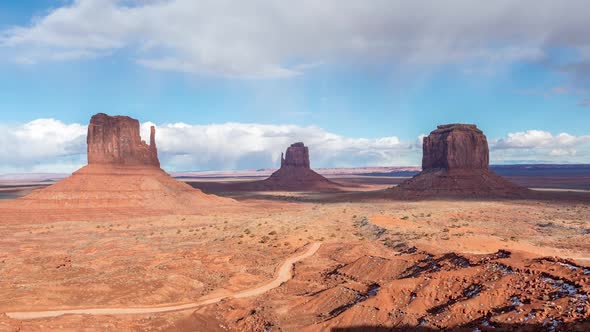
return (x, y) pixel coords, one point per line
(42, 145)
(538, 145)
(538, 138)
(49, 145)
(251, 146)
(265, 38)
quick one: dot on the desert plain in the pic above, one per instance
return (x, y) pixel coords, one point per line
(156, 261)
(121, 245)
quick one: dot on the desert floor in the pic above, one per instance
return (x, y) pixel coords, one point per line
(380, 264)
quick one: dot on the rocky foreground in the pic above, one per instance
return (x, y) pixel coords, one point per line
(382, 264)
(413, 289)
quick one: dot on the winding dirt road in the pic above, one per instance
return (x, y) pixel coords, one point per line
(284, 274)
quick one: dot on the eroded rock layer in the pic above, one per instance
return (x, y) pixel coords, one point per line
(297, 155)
(115, 140)
(455, 146)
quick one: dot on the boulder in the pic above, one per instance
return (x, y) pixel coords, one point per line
(115, 140)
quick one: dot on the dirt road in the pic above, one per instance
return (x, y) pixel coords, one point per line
(284, 274)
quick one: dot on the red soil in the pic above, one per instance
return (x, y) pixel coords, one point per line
(111, 191)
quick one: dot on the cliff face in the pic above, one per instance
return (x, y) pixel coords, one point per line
(297, 155)
(115, 140)
(455, 146)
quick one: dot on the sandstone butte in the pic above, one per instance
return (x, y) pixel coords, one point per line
(123, 178)
(296, 174)
(455, 162)
(115, 140)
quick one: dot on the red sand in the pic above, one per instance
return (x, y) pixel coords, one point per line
(110, 191)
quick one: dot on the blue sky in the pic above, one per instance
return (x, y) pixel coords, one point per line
(367, 73)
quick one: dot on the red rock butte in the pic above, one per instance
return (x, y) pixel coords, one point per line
(455, 146)
(297, 156)
(295, 174)
(115, 140)
(123, 178)
(455, 162)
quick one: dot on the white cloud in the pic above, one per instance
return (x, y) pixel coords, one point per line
(563, 152)
(42, 145)
(48, 145)
(266, 38)
(538, 145)
(528, 139)
(250, 146)
(539, 139)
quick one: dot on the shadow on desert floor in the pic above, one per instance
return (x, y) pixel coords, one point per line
(473, 326)
(385, 194)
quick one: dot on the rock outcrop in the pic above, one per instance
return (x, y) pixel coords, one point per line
(455, 146)
(455, 162)
(123, 178)
(115, 140)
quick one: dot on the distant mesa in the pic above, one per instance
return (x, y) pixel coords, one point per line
(123, 178)
(455, 162)
(296, 174)
(115, 140)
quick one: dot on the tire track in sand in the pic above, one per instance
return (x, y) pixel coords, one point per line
(284, 273)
